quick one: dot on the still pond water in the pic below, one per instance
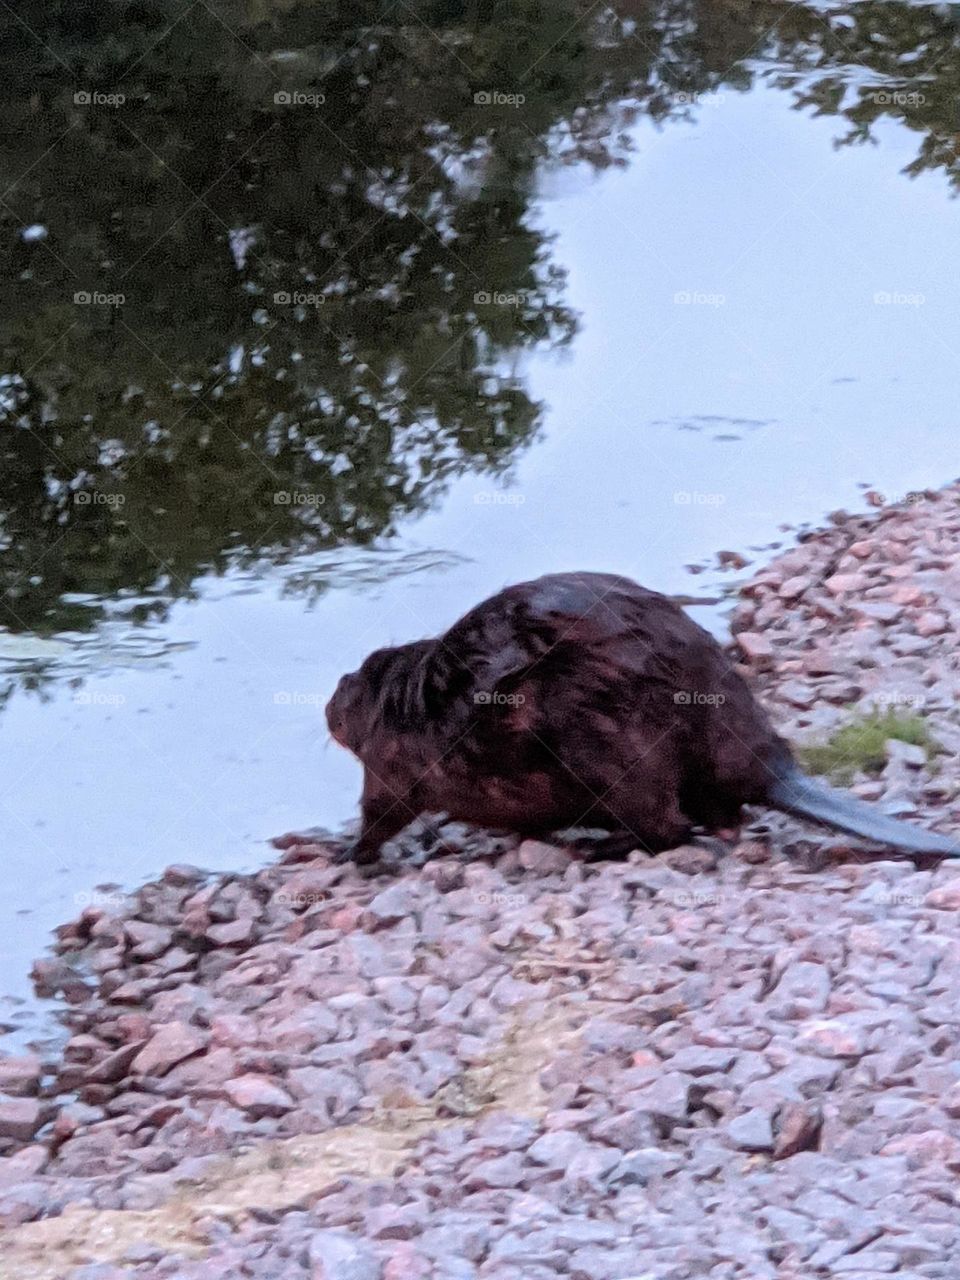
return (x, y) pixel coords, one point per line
(320, 325)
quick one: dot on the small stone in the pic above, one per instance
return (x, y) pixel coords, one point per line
(833, 1039)
(931, 1147)
(798, 693)
(338, 1255)
(168, 1046)
(884, 611)
(115, 1065)
(930, 624)
(393, 1222)
(906, 646)
(233, 932)
(904, 753)
(797, 1130)
(183, 874)
(20, 1076)
(753, 852)
(945, 897)
(845, 584)
(258, 1095)
(501, 1171)
(23, 1165)
(397, 903)
(950, 1102)
(20, 1118)
(556, 1149)
(638, 1167)
(752, 1131)
(667, 1097)
(23, 1203)
(690, 859)
(147, 940)
(794, 587)
(544, 859)
(757, 647)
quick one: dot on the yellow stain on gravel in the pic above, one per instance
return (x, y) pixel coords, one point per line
(292, 1171)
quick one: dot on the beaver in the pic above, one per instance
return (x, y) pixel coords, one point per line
(577, 700)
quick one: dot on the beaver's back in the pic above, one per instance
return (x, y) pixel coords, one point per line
(578, 658)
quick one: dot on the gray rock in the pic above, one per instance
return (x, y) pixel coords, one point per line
(338, 1255)
(645, 1163)
(752, 1131)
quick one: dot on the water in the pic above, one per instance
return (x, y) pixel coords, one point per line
(213, 501)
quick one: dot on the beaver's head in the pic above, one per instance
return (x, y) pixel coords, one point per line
(379, 700)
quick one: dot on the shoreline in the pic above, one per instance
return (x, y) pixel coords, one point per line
(506, 1064)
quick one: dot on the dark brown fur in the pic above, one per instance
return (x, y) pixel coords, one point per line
(577, 699)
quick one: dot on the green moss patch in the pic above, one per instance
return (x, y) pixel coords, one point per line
(859, 744)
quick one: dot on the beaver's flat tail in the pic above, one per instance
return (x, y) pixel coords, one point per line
(795, 793)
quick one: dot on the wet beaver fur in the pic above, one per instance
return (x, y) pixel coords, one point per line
(576, 700)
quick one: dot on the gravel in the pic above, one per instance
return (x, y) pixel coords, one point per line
(506, 1063)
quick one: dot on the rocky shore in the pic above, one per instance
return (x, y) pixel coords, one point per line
(503, 1063)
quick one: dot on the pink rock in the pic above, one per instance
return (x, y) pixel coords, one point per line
(20, 1075)
(170, 1045)
(932, 1146)
(25, 1163)
(757, 647)
(794, 587)
(258, 1095)
(147, 940)
(23, 1203)
(845, 584)
(907, 594)
(234, 1029)
(930, 624)
(833, 1039)
(884, 611)
(406, 1263)
(115, 1065)
(20, 1118)
(134, 1026)
(545, 859)
(946, 897)
(233, 933)
(347, 918)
